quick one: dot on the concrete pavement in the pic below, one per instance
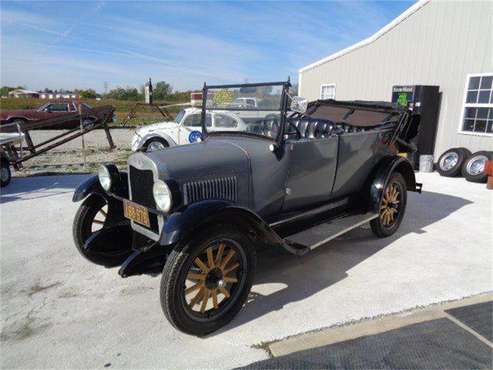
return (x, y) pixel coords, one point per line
(58, 310)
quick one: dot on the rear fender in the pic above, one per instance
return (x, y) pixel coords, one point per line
(180, 227)
(382, 173)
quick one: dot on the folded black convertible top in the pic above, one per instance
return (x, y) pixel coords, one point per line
(356, 113)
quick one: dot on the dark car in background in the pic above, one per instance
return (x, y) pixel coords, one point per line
(198, 212)
(54, 115)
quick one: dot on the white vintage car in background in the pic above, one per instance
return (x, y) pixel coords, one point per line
(185, 129)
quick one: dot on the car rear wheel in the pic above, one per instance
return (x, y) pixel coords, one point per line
(5, 173)
(450, 162)
(473, 168)
(155, 144)
(392, 207)
(205, 283)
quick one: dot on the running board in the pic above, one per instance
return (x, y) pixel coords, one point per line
(316, 236)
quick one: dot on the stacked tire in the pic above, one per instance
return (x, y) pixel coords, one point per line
(461, 162)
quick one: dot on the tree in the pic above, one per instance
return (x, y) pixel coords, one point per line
(4, 90)
(88, 94)
(120, 93)
(162, 90)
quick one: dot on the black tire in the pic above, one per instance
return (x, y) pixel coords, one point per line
(5, 173)
(82, 229)
(382, 226)
(155, 141)
(450, 162)
(182, 261)
(473, 167)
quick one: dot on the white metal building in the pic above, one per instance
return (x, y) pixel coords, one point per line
(445, 43)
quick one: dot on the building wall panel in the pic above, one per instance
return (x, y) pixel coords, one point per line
(440, 44)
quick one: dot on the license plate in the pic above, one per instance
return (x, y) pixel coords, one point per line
(136, 213)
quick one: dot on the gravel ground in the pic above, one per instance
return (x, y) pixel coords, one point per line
(69, 156)
(59, 311)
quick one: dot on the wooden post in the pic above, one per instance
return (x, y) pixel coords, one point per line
(81, 129)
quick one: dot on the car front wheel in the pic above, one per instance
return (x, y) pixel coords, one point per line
(392, 207)
(91, 217)
(155, 144)
(205, 283)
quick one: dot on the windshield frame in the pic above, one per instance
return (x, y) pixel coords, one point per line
(283, 108)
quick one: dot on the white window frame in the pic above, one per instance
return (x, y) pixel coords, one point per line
(327, 85)
(472, 105)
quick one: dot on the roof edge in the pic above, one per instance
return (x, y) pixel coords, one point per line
(406, 14)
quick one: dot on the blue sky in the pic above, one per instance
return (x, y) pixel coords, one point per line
(70, 44)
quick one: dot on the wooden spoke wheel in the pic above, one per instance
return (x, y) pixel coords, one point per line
(206, 282)
(390, 204)
(391, 208)
(91, 217)
(213, 278)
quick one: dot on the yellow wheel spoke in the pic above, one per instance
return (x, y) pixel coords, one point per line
(224, 291)
(230, 279)
(197, 297)
(210, 258)
(201, 264)
(220, 254)
(231, 268)
(194, 276)
(214, 298)
(204, 301)
(226, 260)
(193, 288)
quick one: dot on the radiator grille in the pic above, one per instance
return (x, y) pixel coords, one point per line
(141, 182)
(223, 188)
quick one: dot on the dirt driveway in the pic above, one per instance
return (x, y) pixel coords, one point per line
(59, 311)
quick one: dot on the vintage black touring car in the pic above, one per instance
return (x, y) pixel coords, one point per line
(295, 176)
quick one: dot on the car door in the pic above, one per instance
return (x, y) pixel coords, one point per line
(190, 128)
(312, 166)
(225, 122)
(53, 113)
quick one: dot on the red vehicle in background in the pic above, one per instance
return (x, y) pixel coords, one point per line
(55, 115)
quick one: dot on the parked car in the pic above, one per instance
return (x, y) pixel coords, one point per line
(198, 213)
(185, 129)
(54, 115)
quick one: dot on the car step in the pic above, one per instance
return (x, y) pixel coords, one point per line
(318, 235)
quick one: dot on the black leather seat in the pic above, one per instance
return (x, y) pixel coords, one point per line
(302, 128)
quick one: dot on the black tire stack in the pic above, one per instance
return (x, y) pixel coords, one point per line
(461, 162)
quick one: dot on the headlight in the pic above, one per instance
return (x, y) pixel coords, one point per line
(162, 195)
(104, 177)
(109, 177)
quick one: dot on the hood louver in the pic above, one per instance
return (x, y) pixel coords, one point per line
(223, 188)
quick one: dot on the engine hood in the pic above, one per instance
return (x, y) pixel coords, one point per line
(257, 175)
(167, 125)
(205, 160)
(27, 113)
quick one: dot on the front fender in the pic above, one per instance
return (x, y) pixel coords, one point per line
(89, 186)
(384, 170)
(92, 185)
(149, 135)
(180, 226)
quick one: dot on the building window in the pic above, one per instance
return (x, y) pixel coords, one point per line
(477, 116)
(328, 91)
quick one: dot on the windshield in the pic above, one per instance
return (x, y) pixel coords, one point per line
(252, 109)
(43, 107)
(179, 116)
